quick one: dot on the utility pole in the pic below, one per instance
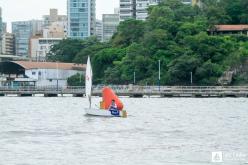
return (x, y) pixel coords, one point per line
(134, 78)
(191, 78)
(159, 73)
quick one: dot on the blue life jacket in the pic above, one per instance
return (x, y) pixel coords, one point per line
(114, 111)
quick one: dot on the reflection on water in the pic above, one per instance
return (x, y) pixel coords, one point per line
(49, 131)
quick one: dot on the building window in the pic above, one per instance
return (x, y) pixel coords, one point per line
(33, 73)
(39, 73)
(81, 10)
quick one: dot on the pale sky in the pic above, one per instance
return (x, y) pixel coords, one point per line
(21, 10)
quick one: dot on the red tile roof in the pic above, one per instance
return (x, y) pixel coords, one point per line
(231, 27)
(50, 65)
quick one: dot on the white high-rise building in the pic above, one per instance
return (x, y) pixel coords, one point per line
(126, 10)
(37, 26)
(22, 30)
(109, 24)
(136, 9)
(117, 11)
(55, 26)
(8, 43)
(1, 29)
(92, 17)
(55, 30)
(39, 47)
(4, 27)
(81, 18)
(1, 21)
(141, 9)
(54, 17)
(99, 30)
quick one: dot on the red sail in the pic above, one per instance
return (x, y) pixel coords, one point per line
(108, 95)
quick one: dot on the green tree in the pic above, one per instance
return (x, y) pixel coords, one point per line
(92, 50)
(178, 35)
(208, 73)
(181, 68)
(129, 31)
(156, 39)
(64, 51)
(76, 80)
(105, 59)
(67, 49)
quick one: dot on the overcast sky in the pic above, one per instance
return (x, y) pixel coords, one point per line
(19, 10)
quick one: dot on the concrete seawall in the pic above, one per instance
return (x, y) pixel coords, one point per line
(131, 91)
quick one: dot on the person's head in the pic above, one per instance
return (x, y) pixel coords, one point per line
(113, 101)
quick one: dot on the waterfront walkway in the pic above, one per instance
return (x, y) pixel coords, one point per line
(132, 91)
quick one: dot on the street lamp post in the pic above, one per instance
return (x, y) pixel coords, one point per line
(134, 78)
(159, 73)
(191, 78)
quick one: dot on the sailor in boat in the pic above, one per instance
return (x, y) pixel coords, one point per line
(113, 109)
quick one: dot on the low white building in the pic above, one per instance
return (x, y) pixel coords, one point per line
(26, 73)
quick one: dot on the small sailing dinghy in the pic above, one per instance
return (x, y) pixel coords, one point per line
(108, 97)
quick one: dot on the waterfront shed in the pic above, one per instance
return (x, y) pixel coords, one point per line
(26, 73)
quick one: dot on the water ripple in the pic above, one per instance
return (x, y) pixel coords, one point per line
(42, 131)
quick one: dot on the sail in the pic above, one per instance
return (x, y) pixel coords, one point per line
(88, 81)
(108, 95)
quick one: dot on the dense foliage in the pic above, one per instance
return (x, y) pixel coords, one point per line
(76, 80)
(176, 34)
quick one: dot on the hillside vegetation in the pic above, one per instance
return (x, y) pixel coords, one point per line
(176, 34)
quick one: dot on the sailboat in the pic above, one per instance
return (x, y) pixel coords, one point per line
(108, 96)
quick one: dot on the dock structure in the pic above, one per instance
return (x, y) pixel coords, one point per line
(131, 91)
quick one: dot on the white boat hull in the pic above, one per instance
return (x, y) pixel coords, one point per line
(104, 113)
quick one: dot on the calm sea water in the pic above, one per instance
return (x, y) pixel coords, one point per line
(55, 131)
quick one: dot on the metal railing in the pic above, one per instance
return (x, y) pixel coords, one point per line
(129, 89)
